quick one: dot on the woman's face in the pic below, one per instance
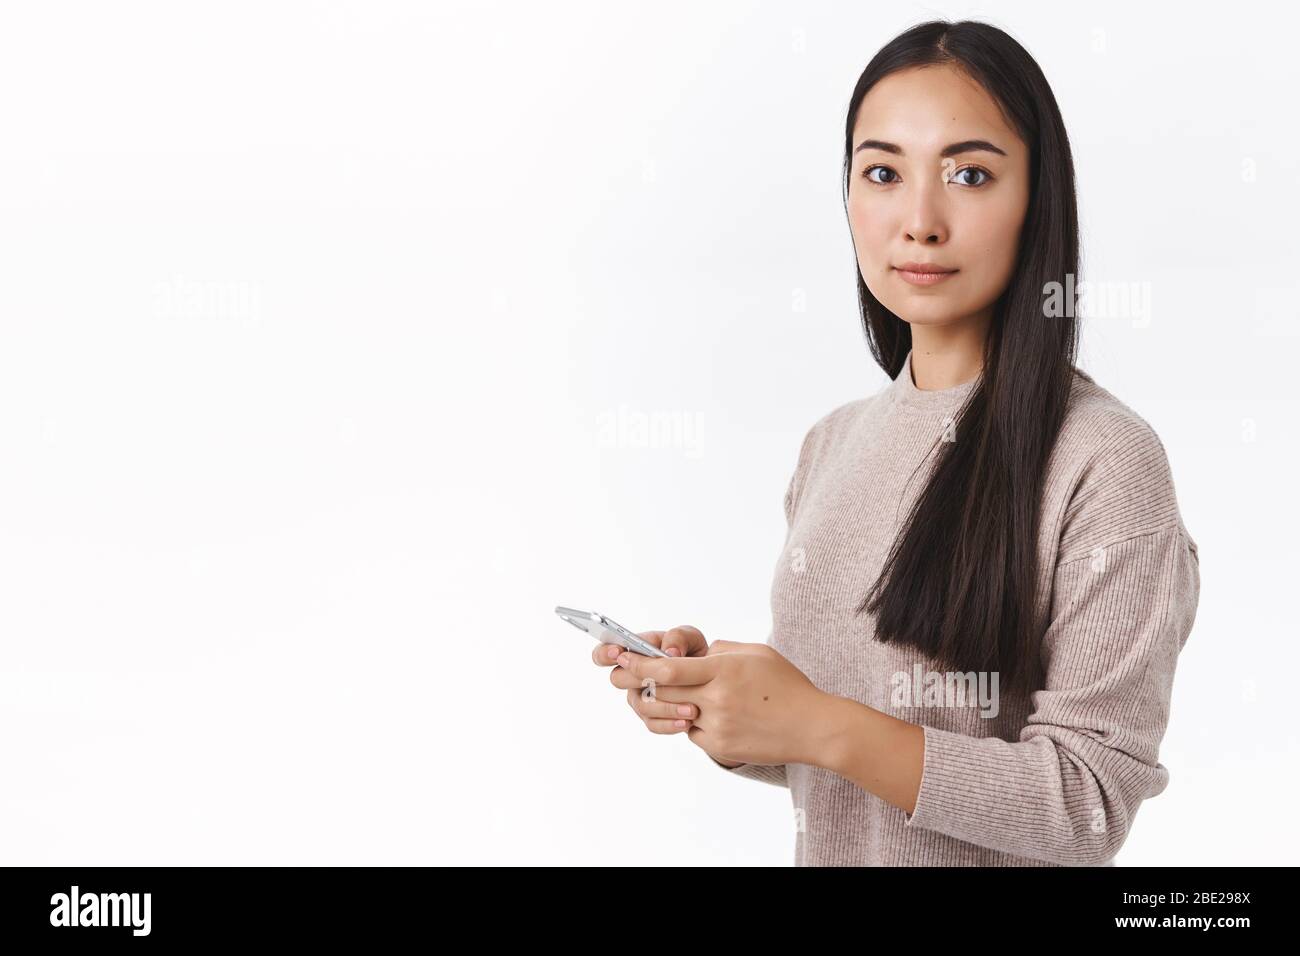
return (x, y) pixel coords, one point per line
(937, 177)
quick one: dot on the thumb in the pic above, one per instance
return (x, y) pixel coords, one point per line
(684, 641)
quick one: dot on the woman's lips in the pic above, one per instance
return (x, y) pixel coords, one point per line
(924, 278)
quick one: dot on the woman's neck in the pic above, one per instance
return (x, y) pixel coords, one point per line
(944, 358)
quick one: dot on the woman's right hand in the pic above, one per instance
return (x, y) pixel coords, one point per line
(659, 716)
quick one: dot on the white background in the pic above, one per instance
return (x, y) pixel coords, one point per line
(314, 316)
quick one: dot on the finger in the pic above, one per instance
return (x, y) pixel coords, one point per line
(657, 726)
(680, 671)
(684, 641)
(603, 655)
(660, 709)
(652, 690)
(623, 679)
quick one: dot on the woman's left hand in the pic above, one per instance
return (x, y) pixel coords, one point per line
(754, 705)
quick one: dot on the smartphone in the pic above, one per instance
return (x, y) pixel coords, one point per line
(608, 632)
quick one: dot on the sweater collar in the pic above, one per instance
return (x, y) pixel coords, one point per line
(905, 392)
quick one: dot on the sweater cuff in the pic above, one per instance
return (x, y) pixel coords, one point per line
(774, 774)
(945, 796)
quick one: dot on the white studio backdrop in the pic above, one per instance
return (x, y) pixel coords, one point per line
(328, 335)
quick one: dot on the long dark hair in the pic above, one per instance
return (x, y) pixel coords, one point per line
(960, 581)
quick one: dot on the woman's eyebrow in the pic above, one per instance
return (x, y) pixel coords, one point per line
(965, 146)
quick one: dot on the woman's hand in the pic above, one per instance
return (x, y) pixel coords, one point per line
(753, 705)
(659, 717)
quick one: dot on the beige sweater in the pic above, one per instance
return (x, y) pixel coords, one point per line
(1052, 778)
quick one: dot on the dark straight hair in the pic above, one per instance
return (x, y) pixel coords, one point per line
(960, 581)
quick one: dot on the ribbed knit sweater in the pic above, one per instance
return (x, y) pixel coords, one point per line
(1050, 778)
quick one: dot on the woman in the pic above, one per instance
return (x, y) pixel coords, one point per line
(986, 580)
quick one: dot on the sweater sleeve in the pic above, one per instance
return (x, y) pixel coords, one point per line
(775, 774)
(1068, 789)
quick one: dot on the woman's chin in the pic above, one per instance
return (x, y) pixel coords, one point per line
(909, 313)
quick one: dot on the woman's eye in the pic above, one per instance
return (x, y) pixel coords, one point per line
(960, 176)
(866, 174)
(970, 176)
